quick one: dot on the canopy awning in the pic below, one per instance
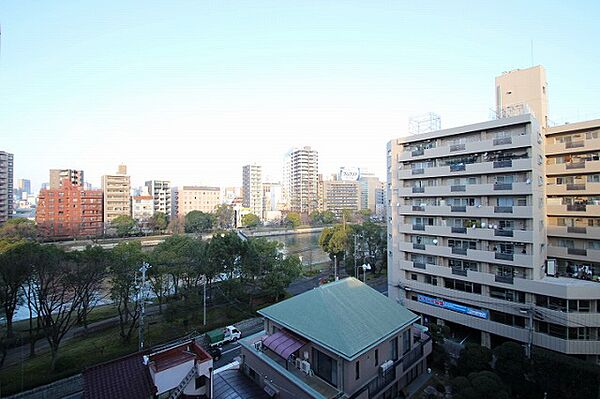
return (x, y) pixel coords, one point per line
(284, 343)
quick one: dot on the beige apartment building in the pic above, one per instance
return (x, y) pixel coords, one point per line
(339, 195)
(58, 175)
(116, 189)
(197, 198)
(491, 226)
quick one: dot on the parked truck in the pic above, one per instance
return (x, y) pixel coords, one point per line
(222, 336)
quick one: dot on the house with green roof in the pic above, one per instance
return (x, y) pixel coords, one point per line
(340, 340)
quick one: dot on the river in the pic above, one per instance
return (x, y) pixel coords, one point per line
(305, 245)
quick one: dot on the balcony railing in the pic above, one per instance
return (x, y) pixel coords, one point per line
(503, 209)
(577, 208)
(502, 186)
(503, 256)
(418, 246)
(575, 187)
(418, 189)
(457, 167)
(578, 165)
(503, 164)
(503, 233)
(504, 279)
(459, 251)
(457, 147)
(459, 230)
(576, 230)
(458, 188)
(577, 251)
(416, 153)
(419, 265)
(503, 141)
(418, 171)
(418, 208)
(459, 272)
(574, 144)
(420, 227)
(458, 208)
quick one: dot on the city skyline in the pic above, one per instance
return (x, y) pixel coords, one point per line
(175, 92)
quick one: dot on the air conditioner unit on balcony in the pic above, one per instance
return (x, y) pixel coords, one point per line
(305, 366)
(386, 366)
(258, 345)
(298, 363)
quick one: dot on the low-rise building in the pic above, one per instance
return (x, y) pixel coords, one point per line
(339, 195)
(184, 370)
(343, 339)
(196, 198)
(142, 207)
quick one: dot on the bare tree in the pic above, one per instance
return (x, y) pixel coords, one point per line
(90, 273)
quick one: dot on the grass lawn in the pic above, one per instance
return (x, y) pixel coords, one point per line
(79, 353)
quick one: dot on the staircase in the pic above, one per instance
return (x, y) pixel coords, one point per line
(179, 390)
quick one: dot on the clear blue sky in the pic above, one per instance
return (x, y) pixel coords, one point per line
(192, 90)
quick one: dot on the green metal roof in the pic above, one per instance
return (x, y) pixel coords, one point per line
(346, 317)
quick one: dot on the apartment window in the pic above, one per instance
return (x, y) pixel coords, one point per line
(581, 305)
(406, 341)
(394, 348)
(430, 279)
(325, 367)
(376, 357)
(413, 276)
(357, 370)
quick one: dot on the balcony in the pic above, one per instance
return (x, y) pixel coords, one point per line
(582, 254)
(420, 227)
(458, 209)
(503, 164)
(577, 251)
(459, 272)
(591, 233)
(418, 171)
(473, 211)
(502, 186)
(567, 168)
(503, 233)
(504, 279)
(458, 230)
(523, 140)
(572, 146)
(418, 246)
(477, 168)
(459, 251)
(477, 233)
(457, 167)
(577, 230)
(517, 188)
(418, 208)
(457, 147)
(575, 187)
(419, 265)
(458, 188)
(503, 256)
(503, 209)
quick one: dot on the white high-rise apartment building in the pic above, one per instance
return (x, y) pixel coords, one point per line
(117, 190)
(160, 190)
(494, 226)
(6, 186)
(303, 184)
(253, 189)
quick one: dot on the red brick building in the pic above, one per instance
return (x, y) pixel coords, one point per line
(69, 212)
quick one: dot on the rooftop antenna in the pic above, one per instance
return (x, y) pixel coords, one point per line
(532, 64)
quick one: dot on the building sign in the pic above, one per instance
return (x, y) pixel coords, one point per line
(351, 174)
(440, 303)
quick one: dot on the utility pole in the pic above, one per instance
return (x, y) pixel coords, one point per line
(355, 267)
(142, 298)
(204, 301)
(335, 267)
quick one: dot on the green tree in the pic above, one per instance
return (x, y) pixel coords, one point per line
(512, 366)
(174, 256)
(224, 217)
(250, 220)
(17, 229)
(127, 258)
(318, 218)
(365, 215)
(281, 276)
(334, 240)
(223, 252)
(439, 356)
(292, 219)
(158, 222)
(123, 225)
(473, 358)
(483, 384)
(198, 222)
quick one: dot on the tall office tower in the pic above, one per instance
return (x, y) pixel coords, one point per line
(69, 211)
(196, 198)
(160, 190)
(6, 186)
(369, 186)
(340, 195)
(116, 189)
(493, 227)
(303, 180)
(520, 87)
(273, 202)
(253, 189)
(58, 175)
(380, 200)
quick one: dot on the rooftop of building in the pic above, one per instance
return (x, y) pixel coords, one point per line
(232, 384)
(200, 188)
(346, 317)
(177, 355)
(491, 124)
(127, 377)
(572, 127)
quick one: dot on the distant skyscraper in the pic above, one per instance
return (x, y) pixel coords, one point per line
(370, 186)
(160, 190)
(253, 190)
(6, 186)
(303, 180)
(116, 189)
(58, 175)
(24, 186)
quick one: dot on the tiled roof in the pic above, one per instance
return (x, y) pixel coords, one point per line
(346, 317)
(126, 378)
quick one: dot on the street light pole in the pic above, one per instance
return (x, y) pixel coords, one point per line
(142, 298)
(335, 267)
(355, 267)
(204, 301)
